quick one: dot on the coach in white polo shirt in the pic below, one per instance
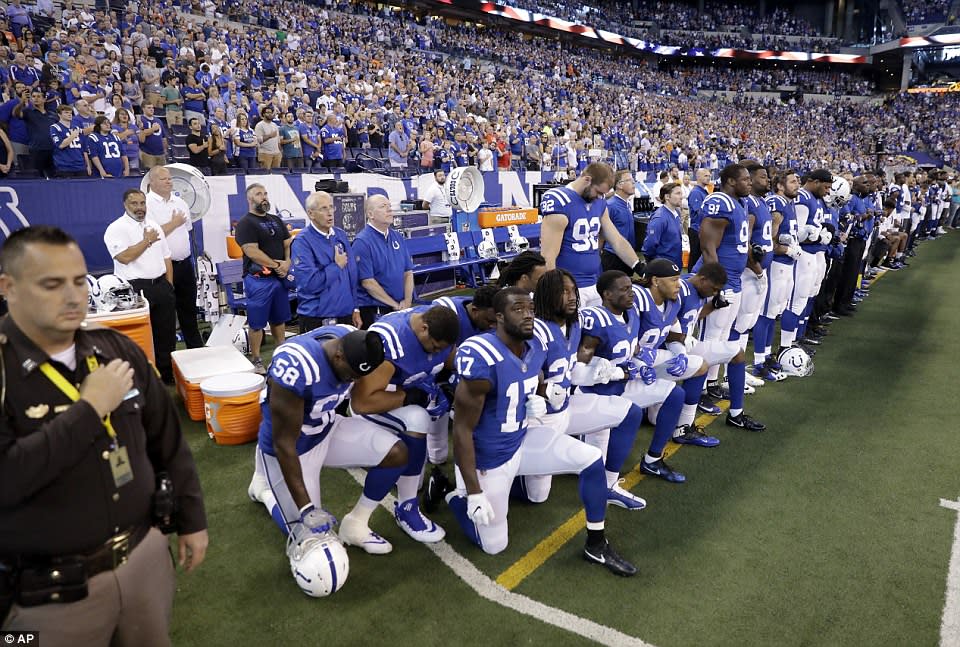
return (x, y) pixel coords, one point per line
(173, 215)
(142, 257)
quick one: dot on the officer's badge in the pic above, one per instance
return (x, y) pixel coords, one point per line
(37, 411)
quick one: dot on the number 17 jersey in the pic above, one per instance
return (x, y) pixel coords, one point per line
(503, 424)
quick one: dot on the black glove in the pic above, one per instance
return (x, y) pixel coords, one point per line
(757, 251)
(448, 390)
(638, 268)
(416, 396)
(719, 302)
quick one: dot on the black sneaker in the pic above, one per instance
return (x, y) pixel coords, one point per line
(715, 391)
(605, 554)
(809, 339)
(745, 422)
(661, 469)
(709, 406)
(438, 486)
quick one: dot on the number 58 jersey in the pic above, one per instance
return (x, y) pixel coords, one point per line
(300, 365)
(503, 424)
(579, 251)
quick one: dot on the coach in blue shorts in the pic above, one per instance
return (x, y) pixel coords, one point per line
(266, 261)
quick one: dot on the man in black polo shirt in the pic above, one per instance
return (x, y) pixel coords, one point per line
(266, 261)
(38, 121)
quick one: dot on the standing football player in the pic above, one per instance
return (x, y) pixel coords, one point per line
(573, 218)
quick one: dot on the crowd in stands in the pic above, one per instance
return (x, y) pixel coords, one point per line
(923, 12)
(460, 94)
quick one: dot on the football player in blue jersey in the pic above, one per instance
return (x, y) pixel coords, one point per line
(402, 395)
(809, 269)
(476, 315)
(300, 433)
(611, 331)
(573, 217)
(786, 251)
(698, 295)
(725, 239)
(497, 435)
(660, 306)
(754, 280)
(603, 419)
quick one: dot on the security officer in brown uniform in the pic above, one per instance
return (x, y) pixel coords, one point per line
(87, 431)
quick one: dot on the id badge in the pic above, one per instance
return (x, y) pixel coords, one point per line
(120, 466)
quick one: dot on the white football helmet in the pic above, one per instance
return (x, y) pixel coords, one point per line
(839, 193)
(318, 564)
(93, 294)
(116, 294)
(487, 249)
(518, 245)
(795, 362)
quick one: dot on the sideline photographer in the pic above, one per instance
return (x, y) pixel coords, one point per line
(87, 430)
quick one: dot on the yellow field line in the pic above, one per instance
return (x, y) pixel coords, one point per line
(523, 567)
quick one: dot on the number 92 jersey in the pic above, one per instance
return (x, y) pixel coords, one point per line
(733, 247)
(502, 425)
(300, 365)
(579, 250)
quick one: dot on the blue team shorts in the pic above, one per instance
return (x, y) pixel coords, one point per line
(267, 301)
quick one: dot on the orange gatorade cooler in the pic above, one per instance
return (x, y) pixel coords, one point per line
(231, 404)
(135, 324)
(194, 365)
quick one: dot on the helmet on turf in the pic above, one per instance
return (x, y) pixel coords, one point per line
(795, 362)
(319, 564)
(839, 193)
(93, 294)
(116, 294)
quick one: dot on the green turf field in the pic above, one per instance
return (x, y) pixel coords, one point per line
(826, 529)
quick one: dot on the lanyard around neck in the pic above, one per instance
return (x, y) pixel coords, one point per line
(71, 391)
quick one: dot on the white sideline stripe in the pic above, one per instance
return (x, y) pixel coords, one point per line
(490, 590)
(950, 623)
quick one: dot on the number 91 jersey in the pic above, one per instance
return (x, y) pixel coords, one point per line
(733, 247)
(503, 424)
(300, 365)
(579, 251)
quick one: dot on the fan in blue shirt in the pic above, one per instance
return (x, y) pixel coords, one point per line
(106, 150)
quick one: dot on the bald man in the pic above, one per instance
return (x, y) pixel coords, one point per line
(384, 266)
(173, 215)
(325, 269)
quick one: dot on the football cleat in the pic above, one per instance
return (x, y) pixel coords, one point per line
(708, 406)
(605, 554)
(258, 485)
(715, 391)
(725, 389)
(412, 521)
(661, 469)
(753, 381)
(438, 486)
(693, 435)
(619, 497)
(745, 422)
(762, 372)
(355, 533)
